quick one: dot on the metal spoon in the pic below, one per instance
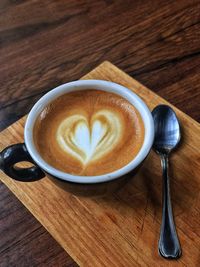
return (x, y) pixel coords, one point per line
(167, 137)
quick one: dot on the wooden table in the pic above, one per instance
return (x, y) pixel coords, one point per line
(46, 43)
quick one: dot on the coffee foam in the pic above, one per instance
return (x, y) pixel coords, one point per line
(89, 132)
(88, 141)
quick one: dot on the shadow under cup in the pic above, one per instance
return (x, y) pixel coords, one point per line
(81, 185)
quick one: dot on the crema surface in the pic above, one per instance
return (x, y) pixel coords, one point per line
(89, 132)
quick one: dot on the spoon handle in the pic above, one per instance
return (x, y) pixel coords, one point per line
(169, 246)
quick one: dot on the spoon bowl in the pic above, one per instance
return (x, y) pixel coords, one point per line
(167, 129)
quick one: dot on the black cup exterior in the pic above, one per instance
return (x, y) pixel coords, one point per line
(17, 153)
(95, 189)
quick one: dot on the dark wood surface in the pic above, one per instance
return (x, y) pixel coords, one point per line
(46, 43)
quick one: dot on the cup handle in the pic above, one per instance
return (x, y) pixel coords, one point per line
(14, 154)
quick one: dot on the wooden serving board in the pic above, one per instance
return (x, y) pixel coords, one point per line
(121, 229)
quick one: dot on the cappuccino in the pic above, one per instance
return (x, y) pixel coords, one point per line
(88, 133)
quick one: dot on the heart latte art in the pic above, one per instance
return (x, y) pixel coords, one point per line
(89, 132)
(89, 140)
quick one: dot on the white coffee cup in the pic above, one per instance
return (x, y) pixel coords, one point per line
(20, 152)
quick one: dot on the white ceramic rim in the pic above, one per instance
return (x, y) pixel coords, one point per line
(82, 85)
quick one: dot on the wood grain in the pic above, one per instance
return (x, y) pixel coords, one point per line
(46, 43)
(122, 229)
(23, 240)
(62, 40)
